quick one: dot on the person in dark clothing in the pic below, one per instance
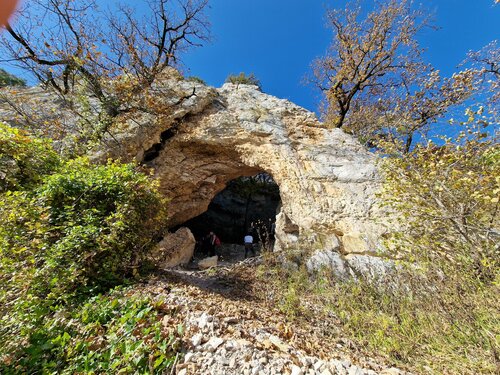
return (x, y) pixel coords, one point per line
(211, 242)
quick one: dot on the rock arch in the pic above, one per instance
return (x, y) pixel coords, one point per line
(327, 179)
(210, 136)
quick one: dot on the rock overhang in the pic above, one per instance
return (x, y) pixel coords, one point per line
(327, 179)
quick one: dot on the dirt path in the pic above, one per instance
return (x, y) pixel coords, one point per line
(232, 326)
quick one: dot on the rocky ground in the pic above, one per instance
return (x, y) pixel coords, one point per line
(232, 327)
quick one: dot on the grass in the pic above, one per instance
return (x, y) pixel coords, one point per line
(436, 327)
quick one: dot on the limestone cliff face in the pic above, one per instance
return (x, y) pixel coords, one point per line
(327, 179)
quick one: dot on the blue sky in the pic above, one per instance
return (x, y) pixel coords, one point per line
(278, 39)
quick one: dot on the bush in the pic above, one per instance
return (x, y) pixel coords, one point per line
(81, 230)
(448, 195)
(196, 79)
(7, 79)
(85, 227)
(243, 79)
(109, 214)
(24, 160)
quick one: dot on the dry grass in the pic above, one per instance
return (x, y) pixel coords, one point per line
(438, 326)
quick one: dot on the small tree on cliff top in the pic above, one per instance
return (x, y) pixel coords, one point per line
(7, 79)
(244, 79)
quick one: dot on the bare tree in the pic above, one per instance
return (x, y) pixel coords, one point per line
(375, 83)
(112, 54)
(397, 113)
(367, 55)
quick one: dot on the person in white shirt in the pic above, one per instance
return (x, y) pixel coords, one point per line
(248, 240)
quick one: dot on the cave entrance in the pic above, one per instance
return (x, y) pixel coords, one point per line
(246, 205)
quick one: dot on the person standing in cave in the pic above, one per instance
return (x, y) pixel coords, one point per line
(248, 241)
(205, 245)
(211, 242)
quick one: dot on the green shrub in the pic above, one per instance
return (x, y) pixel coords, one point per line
(108, 214)
(243, 79)
(85, 227)
(7, 79)
(448, 198)
(24, 160)
(81, 230)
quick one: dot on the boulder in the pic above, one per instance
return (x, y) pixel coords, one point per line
(350, 266)
(175, 249)
(329, 260)
(208, 262)
(371, 267)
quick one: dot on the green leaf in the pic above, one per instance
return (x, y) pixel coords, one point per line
(159, 361)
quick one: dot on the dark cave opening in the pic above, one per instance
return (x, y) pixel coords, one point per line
(246, 205)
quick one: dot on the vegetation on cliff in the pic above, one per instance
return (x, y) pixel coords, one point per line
(244, 79)
(7, 79)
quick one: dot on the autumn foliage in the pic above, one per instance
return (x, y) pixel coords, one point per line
(448, 195)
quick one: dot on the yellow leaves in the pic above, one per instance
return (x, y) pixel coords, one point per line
(446, 195)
